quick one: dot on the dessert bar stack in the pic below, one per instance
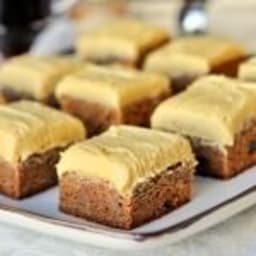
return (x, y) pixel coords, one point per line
(193, 113)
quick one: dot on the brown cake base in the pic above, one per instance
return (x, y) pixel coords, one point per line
(35, 174)
(227, 162)
(96, 200)
(11, 95)
(97, 118)
(228, 68)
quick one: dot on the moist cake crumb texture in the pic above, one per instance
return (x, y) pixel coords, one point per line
(32, 137)
(104, 96)
(218, 115)
(113, 178)
(188, 58)
(213, 108)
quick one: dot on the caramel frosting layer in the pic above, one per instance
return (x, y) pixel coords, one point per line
(126, 156)
(213, 108)
(112, 86)
(247, 70)
(35, 76)
(123, 38)
(193, 55)
(28, 127)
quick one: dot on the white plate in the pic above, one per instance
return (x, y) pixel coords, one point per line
(214, 201)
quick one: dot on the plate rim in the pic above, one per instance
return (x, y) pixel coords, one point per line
(122, 240)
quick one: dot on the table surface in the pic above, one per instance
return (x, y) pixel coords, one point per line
(235, 237)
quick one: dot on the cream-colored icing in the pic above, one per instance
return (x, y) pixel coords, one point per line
(28, 127)
(193, 55)
(213, 108)
(36, 75)
(125, 156)
(247, 70)
(123, 39)
(112, 86)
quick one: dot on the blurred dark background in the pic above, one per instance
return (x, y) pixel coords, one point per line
(21, 21)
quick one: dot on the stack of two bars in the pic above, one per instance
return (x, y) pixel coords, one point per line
(33, 135)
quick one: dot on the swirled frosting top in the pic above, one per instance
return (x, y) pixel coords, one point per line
(125, 156)
(213, 108)
(35, 76)
(112, 86)
(193, 55)
(124, 39)
(28, 127)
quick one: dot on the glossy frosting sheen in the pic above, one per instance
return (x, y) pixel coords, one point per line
(247, 70)
(213, 108)
(112, 86)
(125, 156)
(28, 127)
(124, 38)
(192, 55)
(35, 75)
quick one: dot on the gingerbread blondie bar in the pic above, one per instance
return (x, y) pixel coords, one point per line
(102, 96)
(123, 41)
(218, 115)
(32, 136)
(126, 176)
(34, 77)
(187, 58)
